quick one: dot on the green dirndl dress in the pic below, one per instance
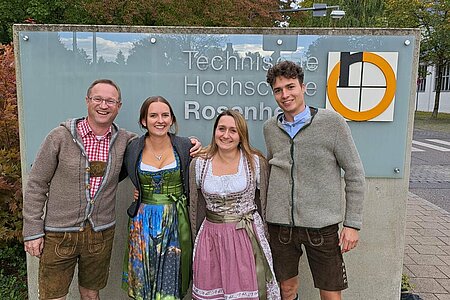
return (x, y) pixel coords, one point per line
(158, 259)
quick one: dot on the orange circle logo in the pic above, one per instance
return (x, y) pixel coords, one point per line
(386, 100)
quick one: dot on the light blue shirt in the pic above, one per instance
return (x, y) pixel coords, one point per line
(299, 121)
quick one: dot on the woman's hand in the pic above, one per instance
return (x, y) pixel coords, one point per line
(197, 146)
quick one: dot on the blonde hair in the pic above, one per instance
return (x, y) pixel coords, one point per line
(244, 145)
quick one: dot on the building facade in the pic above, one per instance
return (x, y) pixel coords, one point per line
(426, 88)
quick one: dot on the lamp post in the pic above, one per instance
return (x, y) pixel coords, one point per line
(319, 10)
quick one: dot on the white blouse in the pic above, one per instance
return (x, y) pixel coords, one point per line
(225, 184)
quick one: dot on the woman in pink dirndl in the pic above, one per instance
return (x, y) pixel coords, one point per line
(228, 184)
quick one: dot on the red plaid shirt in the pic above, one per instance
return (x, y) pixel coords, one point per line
(96, 147)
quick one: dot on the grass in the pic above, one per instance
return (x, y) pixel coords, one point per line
(422, 120)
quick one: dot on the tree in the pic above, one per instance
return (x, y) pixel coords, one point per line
(11, 11)
(432, 16)
(182, 12)
(10, 173)
(358, 13)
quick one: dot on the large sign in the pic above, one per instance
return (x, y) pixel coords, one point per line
(365, 77)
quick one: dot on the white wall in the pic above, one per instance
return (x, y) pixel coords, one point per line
(424, 101)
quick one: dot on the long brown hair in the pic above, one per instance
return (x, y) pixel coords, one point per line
(244, 145)
(144, 111)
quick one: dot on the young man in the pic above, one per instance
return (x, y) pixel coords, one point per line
(307, 148)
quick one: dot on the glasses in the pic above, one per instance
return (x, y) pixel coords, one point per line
(109, 101)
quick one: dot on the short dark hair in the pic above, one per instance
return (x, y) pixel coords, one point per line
(287, 69)
(105, 81)
(144, 111)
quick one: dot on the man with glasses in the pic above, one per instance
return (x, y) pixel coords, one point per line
(75, 177)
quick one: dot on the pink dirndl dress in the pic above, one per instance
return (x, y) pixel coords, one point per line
(225, 251)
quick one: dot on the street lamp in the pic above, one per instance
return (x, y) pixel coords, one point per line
(337, 14)
(319, 10)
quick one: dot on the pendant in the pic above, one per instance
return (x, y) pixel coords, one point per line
(158, 157)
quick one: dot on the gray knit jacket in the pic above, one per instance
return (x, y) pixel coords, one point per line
(305, 185)
(58, 181)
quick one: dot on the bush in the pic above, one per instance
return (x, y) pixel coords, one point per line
(13, 272)
(13, 278)
(10, 173)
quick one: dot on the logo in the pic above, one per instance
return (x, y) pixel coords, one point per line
(361, 85)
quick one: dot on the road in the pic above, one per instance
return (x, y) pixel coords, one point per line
(430, 167)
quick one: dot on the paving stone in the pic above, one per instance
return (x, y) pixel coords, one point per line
(428, 259)
(428, 249)
(413, 225)
(427, 264)
(445, 258)
(407, 260)
(414, 212)
(427, 285)
(445, 283)
(428, 232)
(433, 225)
(426, 271)
(433, 218)
(409, 240)
(429, 240)
(446, 249)
(414, 232)
(409, 249)
(446, 240)
(444, 269)
(407, 271)
(415, 218)
(427, 296)
(428, 207)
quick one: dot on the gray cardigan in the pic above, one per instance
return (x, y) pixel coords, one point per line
(182, 146)
(59, 180)
(305, 185)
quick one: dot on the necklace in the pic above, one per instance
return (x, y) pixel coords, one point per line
(158, 157)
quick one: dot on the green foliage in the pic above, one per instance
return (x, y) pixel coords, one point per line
(13, 272)
(10, 173)
(358, 13)
(433, 18)
(136, 12)
(406, 286)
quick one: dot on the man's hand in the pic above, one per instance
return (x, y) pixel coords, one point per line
(197, 146)
(348, 239)
(34, 247)
(136, 195)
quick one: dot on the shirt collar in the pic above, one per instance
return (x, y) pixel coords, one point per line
(85, 129)
(300, 117)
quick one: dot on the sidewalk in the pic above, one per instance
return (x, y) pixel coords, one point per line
(427, 249)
